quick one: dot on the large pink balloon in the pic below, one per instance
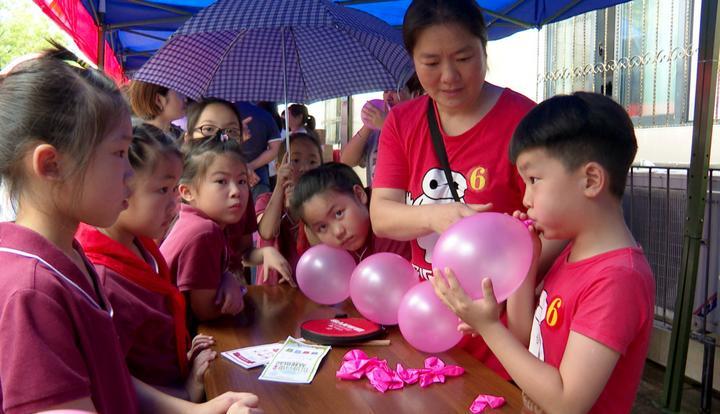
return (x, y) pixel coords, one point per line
(425, 322)
(379, 283)
(323, 274)
(491, 245)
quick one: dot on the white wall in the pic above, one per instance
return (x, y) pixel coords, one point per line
(671, 145)
(513, 62)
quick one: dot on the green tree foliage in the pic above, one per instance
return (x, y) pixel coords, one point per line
(24, 28)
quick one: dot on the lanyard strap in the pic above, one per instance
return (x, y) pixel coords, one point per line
(440, 148)
(60, 276)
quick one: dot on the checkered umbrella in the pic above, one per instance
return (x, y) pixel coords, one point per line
(293, 50)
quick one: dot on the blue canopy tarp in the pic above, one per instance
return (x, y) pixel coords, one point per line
(136, 29)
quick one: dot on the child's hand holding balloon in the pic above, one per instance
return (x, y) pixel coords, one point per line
(477, 315)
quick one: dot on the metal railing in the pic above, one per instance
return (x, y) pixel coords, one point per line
(654, 206)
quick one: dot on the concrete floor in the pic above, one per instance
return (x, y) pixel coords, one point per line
(650, 391)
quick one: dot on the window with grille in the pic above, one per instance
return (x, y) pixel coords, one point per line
(639, 52)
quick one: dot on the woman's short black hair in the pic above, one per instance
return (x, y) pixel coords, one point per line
(422, 14)
(333, 176)
(577, 129)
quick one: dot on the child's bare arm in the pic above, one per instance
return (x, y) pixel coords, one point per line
(520, 308)
(521, 304)
(270, 258)
(84, 404)
(153, 401)
(584, 370)
(202, 303)
(269, 221)
(194, 384)
(209, 304)
(391, 217)
(352, 152)
(574, 388)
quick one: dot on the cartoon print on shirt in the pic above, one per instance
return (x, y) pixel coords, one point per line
(436, 191)
(536, 340)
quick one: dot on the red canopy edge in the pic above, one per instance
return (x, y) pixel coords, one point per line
(72, 17)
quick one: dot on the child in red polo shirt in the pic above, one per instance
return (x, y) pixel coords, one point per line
(215, 194)
(277, 226)
(333, 204)
(580, 346)
(64, 137)
(151, 310)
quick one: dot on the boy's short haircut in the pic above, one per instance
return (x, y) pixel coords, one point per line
(577, 129)
(333, 176)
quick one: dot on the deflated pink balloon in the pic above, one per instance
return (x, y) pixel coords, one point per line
(378, 285)
(425, 322)
(491, 245)
(323, 274)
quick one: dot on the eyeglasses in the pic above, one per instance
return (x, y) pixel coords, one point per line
(209, 131)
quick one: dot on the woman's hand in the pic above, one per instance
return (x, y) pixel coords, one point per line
(272, 259)
(445, 215)
(477, 315)
(230, 295)
(375, 117)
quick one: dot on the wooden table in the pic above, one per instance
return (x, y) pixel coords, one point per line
(273, 313)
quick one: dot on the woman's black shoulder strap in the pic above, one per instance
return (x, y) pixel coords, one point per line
(440, 148)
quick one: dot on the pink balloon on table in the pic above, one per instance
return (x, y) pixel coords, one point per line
(425, 322)
(378, 285)
(377, 103)
(491, 245)
(323, 274)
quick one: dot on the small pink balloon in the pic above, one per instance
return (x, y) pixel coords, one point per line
(323, 274)
(377, 103)
(491, 245)
(425, 322)
(378, 285)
